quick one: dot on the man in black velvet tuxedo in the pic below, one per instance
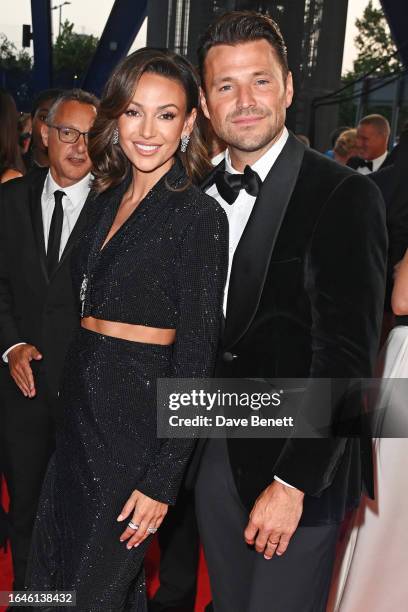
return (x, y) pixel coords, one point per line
(41, 216)
(304, 299)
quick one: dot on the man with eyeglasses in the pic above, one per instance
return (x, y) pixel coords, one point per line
(41, 216)
(37, 154)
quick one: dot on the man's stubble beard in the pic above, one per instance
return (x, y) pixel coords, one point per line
(250, 143)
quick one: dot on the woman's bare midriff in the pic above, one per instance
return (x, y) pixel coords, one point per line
(127, 331)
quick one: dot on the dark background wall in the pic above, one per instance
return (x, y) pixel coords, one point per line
(314, 31)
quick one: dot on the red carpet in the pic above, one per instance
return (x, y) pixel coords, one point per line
(152, 561)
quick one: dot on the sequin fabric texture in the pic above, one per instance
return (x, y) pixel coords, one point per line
(165, 267)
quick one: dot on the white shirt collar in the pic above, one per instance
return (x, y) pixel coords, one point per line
(76, 193)
(217, 159)
(379, 161)
(264, 163)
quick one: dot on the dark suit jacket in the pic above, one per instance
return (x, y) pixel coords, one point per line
(306, 300)
(392, 182)
(34, 308)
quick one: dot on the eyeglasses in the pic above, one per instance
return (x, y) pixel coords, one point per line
(69, 135)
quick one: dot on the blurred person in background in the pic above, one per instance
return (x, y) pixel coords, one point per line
(346, 146)
(41, 216)
(11, 163)
(25, 126)
(379, 526)
(11, 166)
(373, 134)
(333, 137)
(37, 154)
(378, 529)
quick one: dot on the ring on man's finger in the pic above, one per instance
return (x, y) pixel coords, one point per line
(134, 526)
(152, 529)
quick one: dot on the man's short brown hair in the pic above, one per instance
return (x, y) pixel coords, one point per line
(237, 27)
(72, 95)
(379, 122)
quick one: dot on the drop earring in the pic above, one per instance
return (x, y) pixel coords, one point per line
(184, 143)
(115, 136)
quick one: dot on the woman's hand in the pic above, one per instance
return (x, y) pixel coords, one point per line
(148, 515)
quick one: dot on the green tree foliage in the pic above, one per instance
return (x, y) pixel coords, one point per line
(10, 58)
(374, 43)
(72, 52)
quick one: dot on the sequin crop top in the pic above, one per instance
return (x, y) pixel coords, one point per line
(165, 267)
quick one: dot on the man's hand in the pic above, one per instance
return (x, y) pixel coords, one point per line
(274, 519)
(19, 364)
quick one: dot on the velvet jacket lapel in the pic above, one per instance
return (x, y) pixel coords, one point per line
(253, 254)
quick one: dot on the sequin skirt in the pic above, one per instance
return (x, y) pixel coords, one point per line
(104, 447)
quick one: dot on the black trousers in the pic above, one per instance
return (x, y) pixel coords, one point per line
(179, 555)
(27, 440)
(241, 579)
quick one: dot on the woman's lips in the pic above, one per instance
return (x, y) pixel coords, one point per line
(145, 149)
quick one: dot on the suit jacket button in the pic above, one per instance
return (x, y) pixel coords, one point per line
(227, 356)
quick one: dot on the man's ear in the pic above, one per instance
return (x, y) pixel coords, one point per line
(289, 90)
(44, 134)
(203, 102)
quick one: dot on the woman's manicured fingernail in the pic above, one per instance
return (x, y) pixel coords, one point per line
(120, 517)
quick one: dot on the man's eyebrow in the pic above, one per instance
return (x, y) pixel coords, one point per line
(225, 79)
(66, 126)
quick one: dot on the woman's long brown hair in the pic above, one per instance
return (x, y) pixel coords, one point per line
(10, 154)
(109, 161)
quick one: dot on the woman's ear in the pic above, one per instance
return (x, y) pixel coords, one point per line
(189, 123)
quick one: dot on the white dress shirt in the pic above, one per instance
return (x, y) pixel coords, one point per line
(377, 163)
(217, 159)
(72, 204)
(239, 212)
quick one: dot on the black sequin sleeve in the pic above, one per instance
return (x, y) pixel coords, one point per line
(200, 275)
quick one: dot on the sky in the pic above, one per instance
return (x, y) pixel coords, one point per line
(89, 17)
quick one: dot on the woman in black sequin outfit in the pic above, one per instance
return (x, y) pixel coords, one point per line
(150, 271)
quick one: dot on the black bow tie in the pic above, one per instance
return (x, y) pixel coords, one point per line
(365, 164)
(229, 185)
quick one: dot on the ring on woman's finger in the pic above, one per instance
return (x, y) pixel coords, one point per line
(134, 526)
(273, 543)
(152, 529)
